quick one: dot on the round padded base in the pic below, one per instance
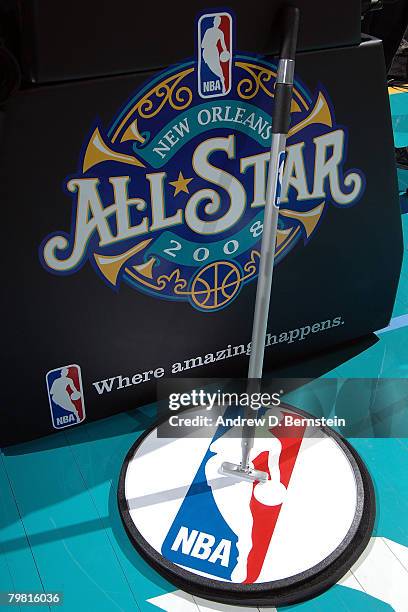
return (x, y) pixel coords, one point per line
(248, 543)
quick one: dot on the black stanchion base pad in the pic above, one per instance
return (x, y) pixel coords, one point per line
(241, 543)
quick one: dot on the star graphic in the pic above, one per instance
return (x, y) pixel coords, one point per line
(181, 184)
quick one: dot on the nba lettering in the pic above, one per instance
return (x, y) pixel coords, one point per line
(169, 199)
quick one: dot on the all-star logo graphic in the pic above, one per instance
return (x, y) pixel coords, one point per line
(169, 199)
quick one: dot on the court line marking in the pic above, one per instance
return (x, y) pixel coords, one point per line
(395, 323)
(377, 562)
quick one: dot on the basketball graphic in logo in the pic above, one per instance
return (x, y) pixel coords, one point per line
(215, 285)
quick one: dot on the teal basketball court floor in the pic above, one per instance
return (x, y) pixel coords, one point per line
(60, 529)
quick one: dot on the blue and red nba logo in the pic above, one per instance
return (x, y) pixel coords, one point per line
(238, 531)
(208, 535)
(65, 395)
(214, 55)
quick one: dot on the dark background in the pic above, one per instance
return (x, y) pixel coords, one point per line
(349, 269)
(69, 39)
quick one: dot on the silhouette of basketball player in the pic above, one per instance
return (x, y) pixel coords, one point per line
(60, 394)
(211, 55)
(233, 501)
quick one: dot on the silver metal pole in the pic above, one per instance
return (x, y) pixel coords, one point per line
(280, 127)
(266, 263)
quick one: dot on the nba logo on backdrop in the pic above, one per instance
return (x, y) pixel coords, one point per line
(214, 55)
(65, 395)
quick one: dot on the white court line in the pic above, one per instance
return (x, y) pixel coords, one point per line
(400, 551)
(382, 575)
(177, 600)
(350, 581)
(395, 323)
(381, 571)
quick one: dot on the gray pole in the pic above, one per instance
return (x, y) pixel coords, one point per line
(280, 128)
(265, 274)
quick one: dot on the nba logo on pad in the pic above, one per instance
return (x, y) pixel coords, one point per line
(209, 536)
(65, 395)
(214, 54)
